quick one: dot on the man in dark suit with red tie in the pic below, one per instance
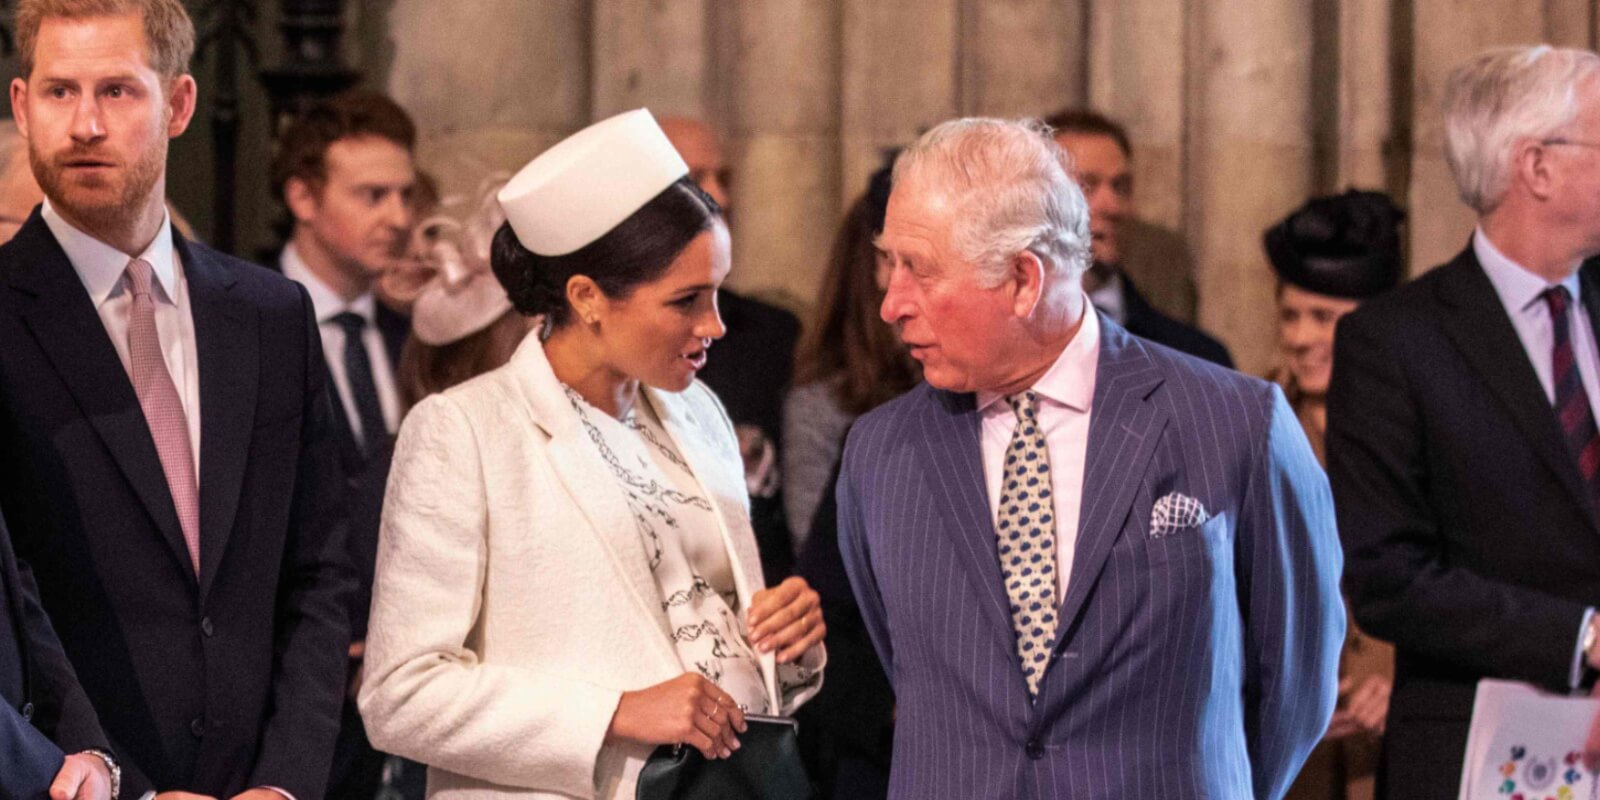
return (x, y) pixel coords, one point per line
(1462, 444)
(164, 427)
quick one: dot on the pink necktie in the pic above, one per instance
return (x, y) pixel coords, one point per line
(163, 411)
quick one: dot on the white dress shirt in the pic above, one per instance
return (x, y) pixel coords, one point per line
(1520, 292)
(103, 270)
(1065, 393)
(327, 304)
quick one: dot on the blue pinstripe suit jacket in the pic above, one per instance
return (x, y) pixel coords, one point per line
(1199, 664)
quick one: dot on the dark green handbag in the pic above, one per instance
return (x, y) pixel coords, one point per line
(766, 767)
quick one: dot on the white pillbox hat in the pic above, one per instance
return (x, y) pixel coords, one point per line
(577, 191)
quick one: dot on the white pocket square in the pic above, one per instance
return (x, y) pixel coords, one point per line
(1176, 512)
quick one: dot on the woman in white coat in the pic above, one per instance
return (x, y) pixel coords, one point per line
(567, 576)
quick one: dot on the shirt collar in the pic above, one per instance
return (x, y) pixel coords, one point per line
(325, 302)
(101, 266)
(1070, 380)
(1517, 287)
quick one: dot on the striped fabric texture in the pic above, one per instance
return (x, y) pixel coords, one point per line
(1200, 663)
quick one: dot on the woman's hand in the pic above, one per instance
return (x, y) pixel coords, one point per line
(685, 710)
(786, 618)
(1364, 708)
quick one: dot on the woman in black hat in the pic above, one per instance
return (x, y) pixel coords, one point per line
(1330, 255)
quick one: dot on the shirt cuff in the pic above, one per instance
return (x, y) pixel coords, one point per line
(286, 795)
(1575, 678)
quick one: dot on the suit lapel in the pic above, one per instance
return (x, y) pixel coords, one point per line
(1124, 425)
(587, 479)
(226, 346)
(68, 329)
(1487, 340)
(952, 437)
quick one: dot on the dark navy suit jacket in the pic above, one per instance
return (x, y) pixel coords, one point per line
(1199, 664)
(214, 683)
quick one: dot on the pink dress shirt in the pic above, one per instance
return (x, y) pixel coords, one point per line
(1065, 393)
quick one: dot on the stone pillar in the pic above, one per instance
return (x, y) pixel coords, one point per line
(1137, 61)
(1023, 58)
(1448, 33)
(1251, 151)
(900, 73)
(654, 55)
(520, 87)
(786, 147)
(1569, 23)
(1365, 97)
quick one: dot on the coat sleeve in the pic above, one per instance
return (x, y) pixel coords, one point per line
(28, 760)
(1404, 587)
(425, 694)
(853, 547)
(64, 709)
(314, 585)
(1289, 562)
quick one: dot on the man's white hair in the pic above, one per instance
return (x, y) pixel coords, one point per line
(1012, 190)
(1500, 98)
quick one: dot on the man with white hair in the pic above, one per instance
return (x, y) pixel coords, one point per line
(1461, 442)
(1093, 567)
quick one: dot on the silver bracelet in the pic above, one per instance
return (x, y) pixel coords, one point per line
(111, 765)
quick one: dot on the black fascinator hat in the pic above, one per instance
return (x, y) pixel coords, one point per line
(1344, 245)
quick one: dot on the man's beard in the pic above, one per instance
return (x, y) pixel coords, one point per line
(113, 200)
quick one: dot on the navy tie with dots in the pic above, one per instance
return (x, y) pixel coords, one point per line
(373, 431)
(1026, 527)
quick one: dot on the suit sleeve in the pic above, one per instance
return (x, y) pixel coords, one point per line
(315, 581)
(1403, 587)
(1289, 562)
(28, 760)
(853, 546)
(64, 709)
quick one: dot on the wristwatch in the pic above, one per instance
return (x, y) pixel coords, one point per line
(116, 770)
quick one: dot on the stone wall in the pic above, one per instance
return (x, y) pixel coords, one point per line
(1239, 109)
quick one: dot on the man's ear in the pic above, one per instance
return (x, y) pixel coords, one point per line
(181, 99)
(1530, 166)
(301, 199)
(19, 105)
(1027, 280)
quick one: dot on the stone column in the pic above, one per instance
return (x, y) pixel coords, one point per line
(518, 88)
(1251, 151)
(1569, 23)
(1137, 61)
(652, 54)
(900, 73)
(786, 147)
(1023, 58)
(1448, 33)
(1365, 119)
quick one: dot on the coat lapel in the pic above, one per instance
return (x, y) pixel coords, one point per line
(68, 329)
(1487, 340)
(587, 479)
(1124, 425)
(226, 344)
(953, 440)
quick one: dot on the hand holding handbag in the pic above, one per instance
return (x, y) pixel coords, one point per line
(766, 766)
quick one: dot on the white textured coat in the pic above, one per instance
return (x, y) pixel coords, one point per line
(513, 601)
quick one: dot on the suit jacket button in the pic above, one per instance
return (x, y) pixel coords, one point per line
(197, 726)
(1035, 750)
(207, 628)
(27, 712)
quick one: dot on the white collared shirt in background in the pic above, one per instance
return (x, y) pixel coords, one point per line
(327, 304)
(103, 270)
(1065, 393)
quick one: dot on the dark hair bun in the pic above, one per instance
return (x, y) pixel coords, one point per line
(1344, 245)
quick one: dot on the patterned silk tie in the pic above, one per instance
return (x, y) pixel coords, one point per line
(163, 411)
(1572, 402)
(1027, 530)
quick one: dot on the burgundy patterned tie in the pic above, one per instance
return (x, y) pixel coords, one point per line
(163, 411)
(1572, 402)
